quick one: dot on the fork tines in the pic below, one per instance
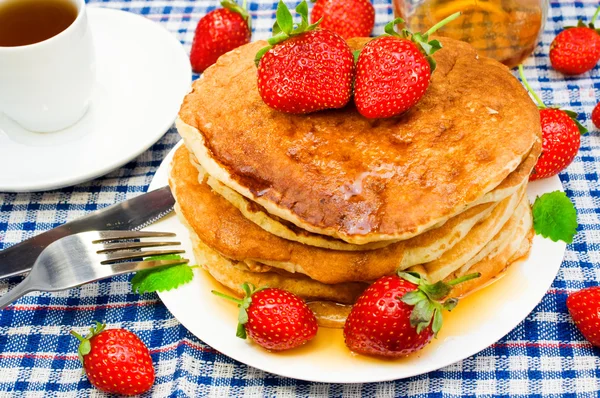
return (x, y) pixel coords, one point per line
(120, 251)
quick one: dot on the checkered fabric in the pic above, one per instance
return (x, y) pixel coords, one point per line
(543, 356)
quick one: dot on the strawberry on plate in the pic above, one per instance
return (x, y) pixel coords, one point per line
(398, 315)
(115, 360)
(273, 318)
(584, 307)
(304, 69)
(560, 137)
(576, 50)
(218, 32)
(393, 70)
(349, 18)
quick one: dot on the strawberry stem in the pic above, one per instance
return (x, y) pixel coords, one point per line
(77, 335)
(222, 295)
(595, 15)
(528, 87)
(464, 278)
(443, 22)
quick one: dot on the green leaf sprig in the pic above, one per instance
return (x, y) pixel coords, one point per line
(555, 217)
(160, 279)
(573, 115)
(427, 300)
(243, 304)
(284, 26)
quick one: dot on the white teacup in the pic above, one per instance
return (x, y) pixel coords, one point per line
(47, 86)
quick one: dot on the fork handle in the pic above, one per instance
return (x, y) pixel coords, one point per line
(17, 292)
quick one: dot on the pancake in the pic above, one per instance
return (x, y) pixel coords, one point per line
(480, 236)
(420, 250)
(223, 228)
(332, 303)
(338, 174)
(232, 276)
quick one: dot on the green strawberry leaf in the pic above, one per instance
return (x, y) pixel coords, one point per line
(284, 18)
(243, 305)
(425, 299)
(573, 115)
(412, 298)
(302, 9)
(276, 30)
(390, 27)
(450, 304)
(235, 7)
(160, 279)
(284, 27)
(555, 217)
(420, 317)
(437, 321)
(432, 64)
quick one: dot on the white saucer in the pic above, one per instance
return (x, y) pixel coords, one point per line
(478, 321)
(143, 73)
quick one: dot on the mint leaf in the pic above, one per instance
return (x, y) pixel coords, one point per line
(162, 278)
(555, 217)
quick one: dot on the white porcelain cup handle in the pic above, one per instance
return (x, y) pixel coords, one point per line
(47, 86)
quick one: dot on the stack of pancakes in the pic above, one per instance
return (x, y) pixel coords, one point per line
(325, 203)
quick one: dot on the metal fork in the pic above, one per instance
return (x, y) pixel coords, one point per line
(90, 256)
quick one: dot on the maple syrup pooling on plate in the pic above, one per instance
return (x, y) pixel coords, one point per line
(24, 22)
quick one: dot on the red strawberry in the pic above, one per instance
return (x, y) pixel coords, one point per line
(393, 317)
(349, 18)
(596, 116)
(393, 71)
(560, 137)
(274, 318)
(576, 50)
(584, 307)
(218, 32)
(304, 70)
(116, 361)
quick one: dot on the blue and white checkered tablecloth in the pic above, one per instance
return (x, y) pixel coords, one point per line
(544, 356)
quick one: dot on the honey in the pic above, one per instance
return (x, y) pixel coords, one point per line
(506, 30)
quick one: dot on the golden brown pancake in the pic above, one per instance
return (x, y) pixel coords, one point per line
(339, 174)
(331, 303)
(223, 228)
(420, 249)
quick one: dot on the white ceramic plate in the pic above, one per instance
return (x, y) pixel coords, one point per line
(143, 73)
(480, 320)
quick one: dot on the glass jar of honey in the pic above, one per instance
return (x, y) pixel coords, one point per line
(506, 30)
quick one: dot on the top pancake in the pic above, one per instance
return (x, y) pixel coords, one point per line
(337, 173)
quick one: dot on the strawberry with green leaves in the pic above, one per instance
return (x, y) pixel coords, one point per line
(218, 32)
(273, 318)
(116, 361)
(393, 71)
(576, 50)
(398, 315)
(348, 18)
(304, 69)
(561, 133)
